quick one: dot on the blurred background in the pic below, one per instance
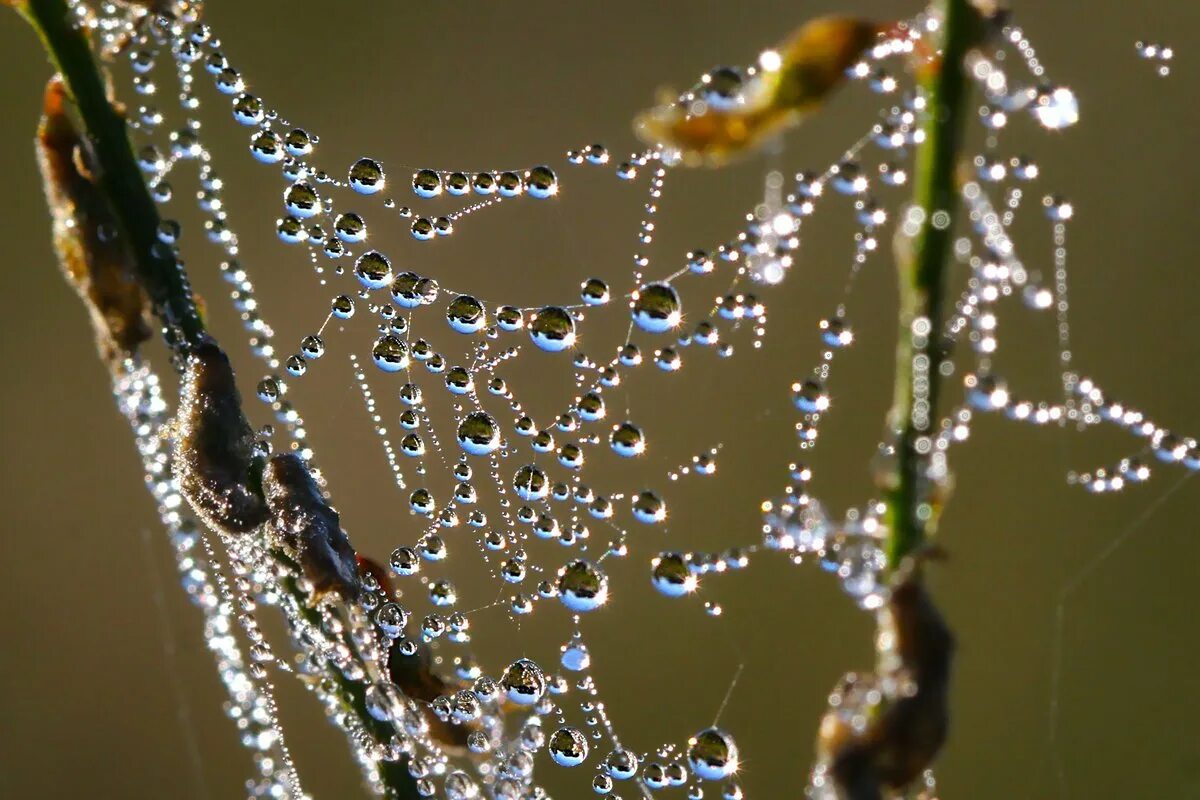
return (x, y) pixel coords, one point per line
(106, 689)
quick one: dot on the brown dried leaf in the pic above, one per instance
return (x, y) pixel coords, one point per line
(308, 525)
(214, 445)
(908, 725)
(92, 254)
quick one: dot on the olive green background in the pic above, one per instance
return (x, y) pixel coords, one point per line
(106, 689)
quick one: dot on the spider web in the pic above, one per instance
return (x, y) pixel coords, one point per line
(467, 452)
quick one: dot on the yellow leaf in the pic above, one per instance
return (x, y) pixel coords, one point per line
(790, 82)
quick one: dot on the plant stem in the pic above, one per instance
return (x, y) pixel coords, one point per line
(117, 172)
(158, 270)
(922, 274)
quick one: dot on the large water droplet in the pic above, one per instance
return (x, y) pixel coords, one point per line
(478, 434)
(541, 182)
(366, 176)
(523, 682)
(671, 575)
(465, 314)
(427, 183)
(582, 586)
(568, 747)
(656, 308)
(390, 354)
(373, 270)
(552, 329)
(712, 754)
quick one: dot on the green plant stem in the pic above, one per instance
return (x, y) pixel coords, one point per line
(922, 279)
(116, 170)
(158, 270)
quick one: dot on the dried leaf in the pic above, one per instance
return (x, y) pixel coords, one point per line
(214, 445)
(92, 254)
(310, 527)
(810, 65)
(908, 705)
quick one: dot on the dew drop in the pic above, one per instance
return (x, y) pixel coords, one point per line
(541, 182)
(552, 329)
(621, 764)
(594, 292)
(484, 183)
(373, 270)
(465, 314)
(523, 682)
(1057, 108)
(390, 353)
(457, 184)
(656, 308)
(575, 657)
(568, 747)
(671, 575)
(628, 440)
(582, 586)
(427, 183)
(712, 755)
(350, 228)
(509, 318)
(302, 200)
(342, 306)
(530, 483)
(366, 176)
(478, 434)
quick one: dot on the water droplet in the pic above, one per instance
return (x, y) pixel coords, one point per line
(302, 200)
(478, 434)
(594, 292)
(373, 270)
(810, 397)
(552, 329)
(656, 308)
(671, 575)
(523, 682)
(712, 755)
(509, 184)
(350, 228)
(268, 390)
(298, 143)
(465, 314)
(627, 440)
(484, 183)
(390, 353)
(541, 182)
(509, 318)
(1057, 108)
(575, 657)
(342, 306)
(366, 176)
(582, 586)
(596, 154)
(427, 183)
(404, 561)
(457, 184)
(568, 747)
(530, 483)
(391, 619)
(621, 764)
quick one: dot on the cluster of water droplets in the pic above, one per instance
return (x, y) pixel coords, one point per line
(533, 472)
(1161, 54)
